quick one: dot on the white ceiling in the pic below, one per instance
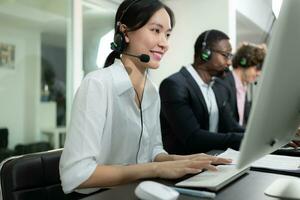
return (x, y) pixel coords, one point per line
(50, 19)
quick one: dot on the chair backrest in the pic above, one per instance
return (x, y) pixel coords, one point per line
(33, 176)
(3, 138)
(21, 149)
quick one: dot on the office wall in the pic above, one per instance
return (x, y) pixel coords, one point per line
(192, 18)
(258, 11)
(19, 87)
(93, 29)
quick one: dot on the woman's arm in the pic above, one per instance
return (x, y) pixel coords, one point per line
(165, 166)
(108, 176)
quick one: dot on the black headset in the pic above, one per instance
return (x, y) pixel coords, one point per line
(243, 62)
(205, 51)
(141, 117)
(119, 42)
(119, 45)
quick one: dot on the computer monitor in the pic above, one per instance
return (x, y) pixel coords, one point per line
(275, 115)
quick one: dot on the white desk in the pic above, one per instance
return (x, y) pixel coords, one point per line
(54, 135)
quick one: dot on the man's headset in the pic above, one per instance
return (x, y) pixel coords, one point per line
(205, 51)
(243, 62)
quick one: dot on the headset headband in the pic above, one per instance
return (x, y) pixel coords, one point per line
(205, 38)
(124, 12)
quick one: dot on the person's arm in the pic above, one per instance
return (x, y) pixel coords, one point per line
(84, 134)
(108, 176)
(165, 166)
(180, 115)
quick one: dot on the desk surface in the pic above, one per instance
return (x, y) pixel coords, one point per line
(250, 186)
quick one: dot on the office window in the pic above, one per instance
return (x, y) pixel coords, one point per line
(33, 51)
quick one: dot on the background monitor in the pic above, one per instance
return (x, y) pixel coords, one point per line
(275, 115)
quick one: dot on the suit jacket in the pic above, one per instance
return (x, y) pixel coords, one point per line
(185, 120)
(229, 81)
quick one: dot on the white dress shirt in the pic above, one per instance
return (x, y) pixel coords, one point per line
(209, 97)
(105, 126)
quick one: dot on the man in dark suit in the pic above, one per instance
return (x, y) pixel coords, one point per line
(229, 80)
(247, 65)
(195, 113)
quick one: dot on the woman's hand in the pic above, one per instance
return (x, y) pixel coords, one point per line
(190, 164)
(295, 143)
(179, 168)
(203, 156)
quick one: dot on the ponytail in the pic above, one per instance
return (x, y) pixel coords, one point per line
(111, 58)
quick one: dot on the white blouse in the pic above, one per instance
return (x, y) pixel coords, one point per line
(105, 126)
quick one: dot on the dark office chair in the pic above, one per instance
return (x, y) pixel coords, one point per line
(3, 138)
(4, 151)
(21, 149)
(33, 176)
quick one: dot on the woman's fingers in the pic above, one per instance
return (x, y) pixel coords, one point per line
(177, 169)
(220, 160)
(192, 170)
(294, 144)
(207, 164)
(214, 159)
(204, 157)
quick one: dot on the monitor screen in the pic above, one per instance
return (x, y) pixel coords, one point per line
(275, 115)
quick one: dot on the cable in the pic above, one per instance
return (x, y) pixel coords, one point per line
(141, 114)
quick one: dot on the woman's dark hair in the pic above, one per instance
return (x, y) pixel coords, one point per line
(135, 14)
(212, 38)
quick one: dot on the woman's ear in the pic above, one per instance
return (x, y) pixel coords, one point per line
(123, 29)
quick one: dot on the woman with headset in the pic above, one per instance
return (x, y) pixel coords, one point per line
(114, 135)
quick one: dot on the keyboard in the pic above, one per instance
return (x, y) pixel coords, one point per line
(288, 151)
(214, 180)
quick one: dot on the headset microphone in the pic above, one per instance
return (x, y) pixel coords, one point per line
(143, 57)
(120, 47)
(226, 69)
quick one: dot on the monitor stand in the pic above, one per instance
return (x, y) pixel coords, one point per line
(287, 188)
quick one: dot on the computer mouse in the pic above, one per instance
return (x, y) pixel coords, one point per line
(150, 190)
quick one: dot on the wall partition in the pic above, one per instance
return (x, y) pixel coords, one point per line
(46, 47)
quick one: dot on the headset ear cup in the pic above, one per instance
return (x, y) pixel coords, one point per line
(119, 42)
(205, 52)
(205, 55)
(243, 62)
